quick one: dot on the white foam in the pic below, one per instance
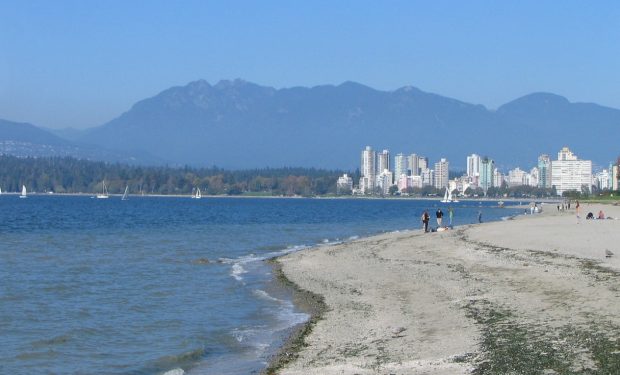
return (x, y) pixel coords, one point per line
(176, 371)
(262, 294)
(237, 271)
(352, 238)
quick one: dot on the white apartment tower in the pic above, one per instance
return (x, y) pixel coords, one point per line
(422, 163)
(368, 171)
(344, 185)
(414, 164)
(400, 165)
(383, 161)
(441, 173)
(570, 173)
(473, 165)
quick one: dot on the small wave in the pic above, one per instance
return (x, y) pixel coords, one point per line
(264, 295)
(188, 358)
(237, 271)
(325, 240)
(353, 238)
(176, 371)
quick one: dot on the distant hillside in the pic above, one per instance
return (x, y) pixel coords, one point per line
(23, 139)
(238, 124)
(241, 124)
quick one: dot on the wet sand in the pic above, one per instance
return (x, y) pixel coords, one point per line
(532, 295)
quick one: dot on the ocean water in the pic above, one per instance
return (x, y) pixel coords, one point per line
(152, 285)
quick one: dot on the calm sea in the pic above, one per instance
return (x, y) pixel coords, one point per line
(150, 285)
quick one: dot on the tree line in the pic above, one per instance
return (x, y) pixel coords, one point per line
(70, 175)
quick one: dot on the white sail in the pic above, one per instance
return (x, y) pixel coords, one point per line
(446, 198)
(104, 192)
(24, 192)
(198, 195)
(125, 193)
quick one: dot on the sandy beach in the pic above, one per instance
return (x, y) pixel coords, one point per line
(536, 294)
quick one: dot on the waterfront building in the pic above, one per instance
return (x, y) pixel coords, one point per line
(516, 177)
(614, 177)
(498, 178)
(441, 173)
(400, 165)
(532, 178)
(416, 181)
(602, 179)
(569, 173)
(403, 182)
(344, 185)
(487, 171)
(413, 162)
(383, 161)
(422, 163)
(428, 177)
(473, 165)
(368, 171)
(544, 171)
(384, 181)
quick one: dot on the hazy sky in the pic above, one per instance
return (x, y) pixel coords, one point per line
(82, 63)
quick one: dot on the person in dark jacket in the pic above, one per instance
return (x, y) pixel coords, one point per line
(425, 219)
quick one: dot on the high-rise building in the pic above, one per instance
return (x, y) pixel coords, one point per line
(569, 173)
(422, 163)
(614, 177)
(602, 179)
(516, 177)
(400, 165)
(532, 179)
(473, 165)
(487, 169)
(368, 171)
(383, 161)
(544, 171)
(344, 184)
(384, 181)
(498, 178)
(441, 174)
(413, 162)
(428, 177)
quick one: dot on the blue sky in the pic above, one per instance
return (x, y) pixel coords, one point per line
(82, 63)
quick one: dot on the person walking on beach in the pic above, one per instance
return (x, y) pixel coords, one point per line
(425, 219)
(480, 216)
(450, 214)
(576, 210)
(439, 215)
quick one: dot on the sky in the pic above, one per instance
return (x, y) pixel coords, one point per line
(82, 63)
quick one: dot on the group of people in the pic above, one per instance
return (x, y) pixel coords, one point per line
(601, 215)
(439, 215)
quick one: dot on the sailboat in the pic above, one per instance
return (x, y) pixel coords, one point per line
(124, 198)
(197, 195)
(104, 192)
(24, 192)
(447, 197)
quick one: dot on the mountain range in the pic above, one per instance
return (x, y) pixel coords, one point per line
(238, 124)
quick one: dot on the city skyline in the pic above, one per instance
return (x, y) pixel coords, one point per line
(566, 173)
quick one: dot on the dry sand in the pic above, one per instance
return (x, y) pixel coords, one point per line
(532, 295)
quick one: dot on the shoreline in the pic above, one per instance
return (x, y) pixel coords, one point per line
(352, 301)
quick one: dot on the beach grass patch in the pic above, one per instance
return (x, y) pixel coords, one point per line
(512, 347)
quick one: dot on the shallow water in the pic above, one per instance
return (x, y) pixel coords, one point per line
(149, 285)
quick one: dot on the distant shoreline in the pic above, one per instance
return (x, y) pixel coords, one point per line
(437, 199)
